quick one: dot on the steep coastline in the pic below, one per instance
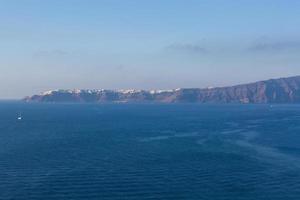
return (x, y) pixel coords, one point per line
(282, 90)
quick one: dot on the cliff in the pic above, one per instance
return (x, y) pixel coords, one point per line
(282, 90)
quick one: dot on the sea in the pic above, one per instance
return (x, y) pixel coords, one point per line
(149, 151)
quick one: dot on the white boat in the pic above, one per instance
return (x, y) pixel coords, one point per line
(19, 117)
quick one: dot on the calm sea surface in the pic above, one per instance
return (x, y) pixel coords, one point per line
(89, 151)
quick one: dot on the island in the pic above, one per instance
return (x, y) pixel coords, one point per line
(281, 90)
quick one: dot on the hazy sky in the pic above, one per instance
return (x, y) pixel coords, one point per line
(149, 44)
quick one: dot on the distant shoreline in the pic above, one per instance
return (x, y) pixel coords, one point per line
(272, 91)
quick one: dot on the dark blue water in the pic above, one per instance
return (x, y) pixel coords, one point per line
(149, 152)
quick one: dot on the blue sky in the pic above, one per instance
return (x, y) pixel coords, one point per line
(142, 44)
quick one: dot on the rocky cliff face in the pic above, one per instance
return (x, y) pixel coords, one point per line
(283, 90)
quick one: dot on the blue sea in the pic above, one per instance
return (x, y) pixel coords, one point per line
(138, 151)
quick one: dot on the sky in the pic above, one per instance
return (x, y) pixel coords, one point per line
(143, 44)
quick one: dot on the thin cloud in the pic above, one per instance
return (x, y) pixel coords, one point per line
(187, 48)
(265, 44)
(53, 53)
(119, 67)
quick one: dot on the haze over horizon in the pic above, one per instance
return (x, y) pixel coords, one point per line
(115, 44)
